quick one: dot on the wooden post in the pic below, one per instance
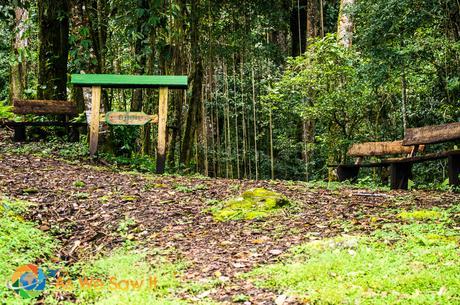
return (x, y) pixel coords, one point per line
(454, 169)
(348, 172)
(19, 133)
(94, 127)
(400, 175)
(162, 119)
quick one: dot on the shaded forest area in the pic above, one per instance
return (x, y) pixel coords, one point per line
(278, 89)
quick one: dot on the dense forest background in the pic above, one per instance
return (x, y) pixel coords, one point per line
(278, 89)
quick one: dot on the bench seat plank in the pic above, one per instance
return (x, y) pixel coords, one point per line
(432, 134)
(378, 149)
(44, 107)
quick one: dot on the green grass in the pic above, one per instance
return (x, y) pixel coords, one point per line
(128, 276)
(253, 203)
(417, 262)
(20, 243)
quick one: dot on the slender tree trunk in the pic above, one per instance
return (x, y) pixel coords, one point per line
(272, 159)
(218, 142)
(321, 7)
(238, 173)
(203, 138)
(53, 17)
(256, 158)
(243, 122)
(404, 99)
(227, 137)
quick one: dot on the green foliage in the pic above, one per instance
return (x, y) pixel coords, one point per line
(20, 243)
(414, 263)
(253, 203)
(5, 111)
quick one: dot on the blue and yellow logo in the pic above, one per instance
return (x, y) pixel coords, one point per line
(28, 281)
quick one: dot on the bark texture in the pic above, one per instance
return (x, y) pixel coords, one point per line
(54, 48)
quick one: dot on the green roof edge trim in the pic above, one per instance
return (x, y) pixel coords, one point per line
(130, 81)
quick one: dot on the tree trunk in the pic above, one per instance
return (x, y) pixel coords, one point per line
(272, 159)
(313, 19)
(298, 27)
(345, 24)
(19, 68)
(194, 114)
(256, 157)
(53, 19)
(139, 53)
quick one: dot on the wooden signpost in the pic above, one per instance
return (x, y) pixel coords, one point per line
(129, 118)
(99, 81)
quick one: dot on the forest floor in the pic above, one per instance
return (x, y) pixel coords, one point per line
(92, 210)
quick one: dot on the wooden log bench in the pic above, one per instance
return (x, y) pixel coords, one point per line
(414, 142)
(64, 109)
(370, 149)
(401, 168)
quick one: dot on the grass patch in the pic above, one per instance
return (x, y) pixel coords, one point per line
(79, 183)
(253, 203)
(131, 277)
(20, 244)
(190, 189)
(414, 263)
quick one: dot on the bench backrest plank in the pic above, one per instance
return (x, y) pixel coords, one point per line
(44, 107)
(432, 134)
(378, 149)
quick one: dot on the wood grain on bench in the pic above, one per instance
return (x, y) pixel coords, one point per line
(379, 149)
(432, 134)
(44, 107)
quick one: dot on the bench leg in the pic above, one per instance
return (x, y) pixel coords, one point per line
(454, 169)
(348, 172)
(19, 133)
(400, 174)
(74, 134)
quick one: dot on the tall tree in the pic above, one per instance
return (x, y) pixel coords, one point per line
(53, 19)
(194, 115)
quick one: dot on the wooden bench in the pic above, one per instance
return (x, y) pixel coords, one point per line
(414, 142)
(401, 168)
(64, 109)
(370, 149)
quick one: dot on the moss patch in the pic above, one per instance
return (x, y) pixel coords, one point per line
(253, 203)
(420, 215)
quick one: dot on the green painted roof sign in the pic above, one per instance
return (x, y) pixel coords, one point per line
(129, 118)
(130, 81)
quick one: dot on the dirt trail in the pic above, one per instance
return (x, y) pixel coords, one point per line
(84, 205)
